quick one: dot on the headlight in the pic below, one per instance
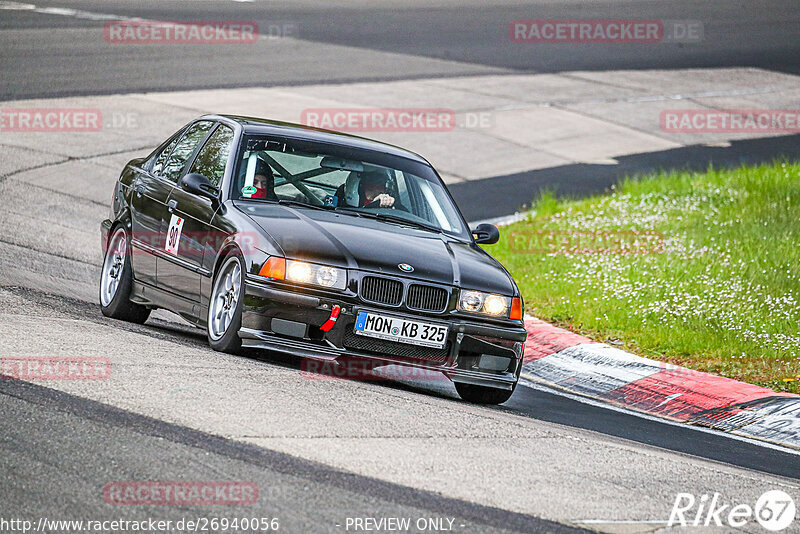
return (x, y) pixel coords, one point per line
(318, 275)
(298, 271)
(302, 272)
(485, 303)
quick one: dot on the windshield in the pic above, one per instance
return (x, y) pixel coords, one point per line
(360, 183)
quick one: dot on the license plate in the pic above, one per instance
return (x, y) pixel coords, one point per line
(401, 330)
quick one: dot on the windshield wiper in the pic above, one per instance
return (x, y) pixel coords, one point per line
(391, 218)
(299, 204)
(403, 220)
(350, 211)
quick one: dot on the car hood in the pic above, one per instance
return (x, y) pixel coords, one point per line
(379, 247)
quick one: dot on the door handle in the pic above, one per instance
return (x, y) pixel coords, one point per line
(172, 204)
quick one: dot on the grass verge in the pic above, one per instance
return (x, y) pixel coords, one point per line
(697, 269)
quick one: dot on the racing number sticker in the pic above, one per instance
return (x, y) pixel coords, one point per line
(174, 234)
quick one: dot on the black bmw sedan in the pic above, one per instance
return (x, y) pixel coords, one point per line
(315, 243)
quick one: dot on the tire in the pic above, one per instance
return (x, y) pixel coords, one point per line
(483, 394)
(116, 281)
(225, 306)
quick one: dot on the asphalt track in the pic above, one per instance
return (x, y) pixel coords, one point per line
(59, 449)
(62, 55)
(304, 495)
(578, 461)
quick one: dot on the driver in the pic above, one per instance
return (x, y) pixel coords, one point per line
(368, 188)
(375, 186)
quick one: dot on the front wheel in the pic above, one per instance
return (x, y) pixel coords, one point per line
(225, 307)
(116, 282)
(483, 394)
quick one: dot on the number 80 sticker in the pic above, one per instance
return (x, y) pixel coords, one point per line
(174, 234)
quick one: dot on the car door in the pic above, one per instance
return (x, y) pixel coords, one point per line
(189, 230)
(148, 204)
(165, 174)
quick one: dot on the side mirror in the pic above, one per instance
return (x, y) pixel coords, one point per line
(486, 234)
(199, 185)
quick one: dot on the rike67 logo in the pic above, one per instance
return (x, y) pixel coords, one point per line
(774, 510)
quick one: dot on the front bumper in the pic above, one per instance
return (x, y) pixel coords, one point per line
(280, 319)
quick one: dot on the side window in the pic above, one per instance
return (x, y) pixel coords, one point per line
(213, 157)
(160, 159)
(158, 166)
(183, 149)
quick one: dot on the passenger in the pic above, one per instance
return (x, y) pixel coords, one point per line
(264, 182)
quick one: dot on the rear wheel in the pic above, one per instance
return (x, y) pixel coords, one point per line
(225, 306)
(483, 394)
(116, 282)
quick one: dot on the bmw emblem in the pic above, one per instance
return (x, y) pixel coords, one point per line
(406, 268)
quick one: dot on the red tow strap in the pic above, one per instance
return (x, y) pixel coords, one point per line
(332, 319)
